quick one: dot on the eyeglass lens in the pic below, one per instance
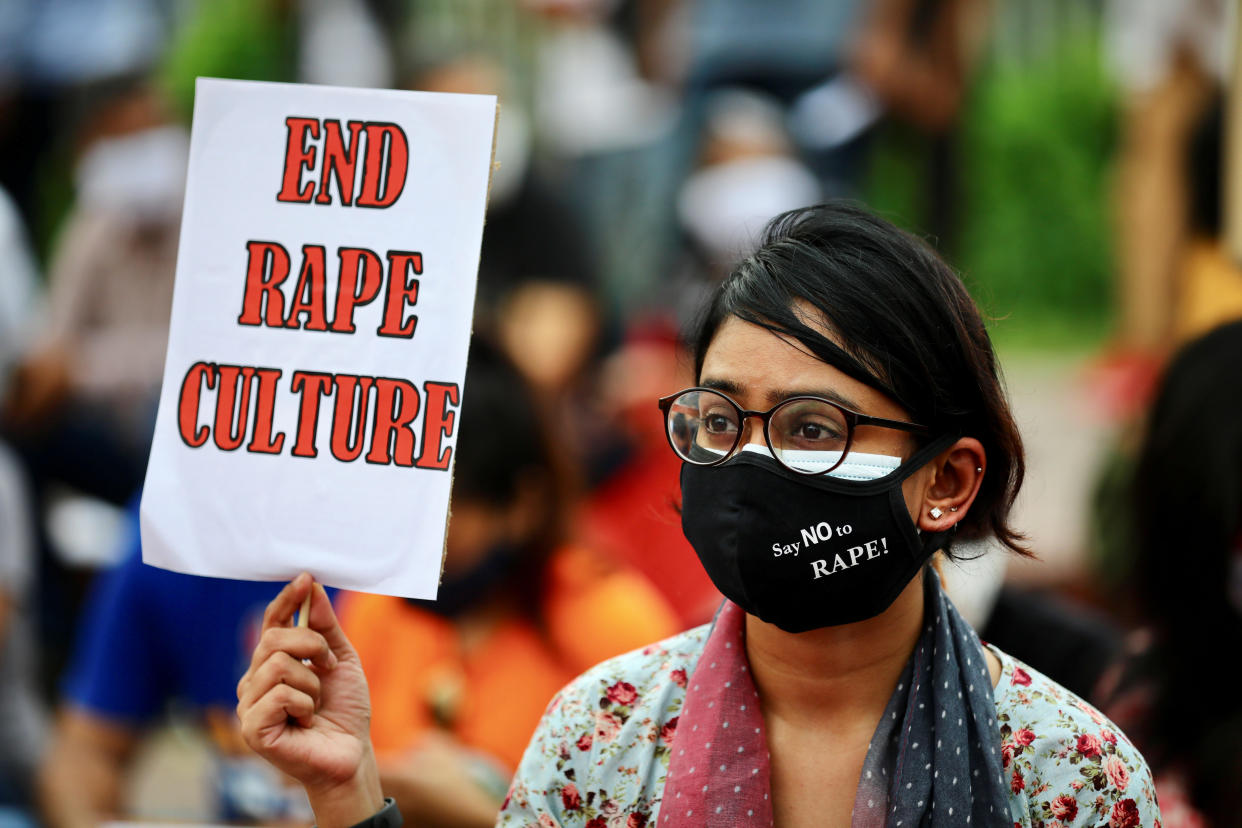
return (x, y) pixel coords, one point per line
(808, 436)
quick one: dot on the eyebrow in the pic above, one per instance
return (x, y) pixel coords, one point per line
(773, 397)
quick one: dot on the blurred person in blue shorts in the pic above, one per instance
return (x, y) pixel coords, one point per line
(150, 639)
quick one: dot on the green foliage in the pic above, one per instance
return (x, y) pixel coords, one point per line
(1037, 231)
(1034, 233)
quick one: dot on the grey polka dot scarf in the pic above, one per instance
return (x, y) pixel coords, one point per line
(934, 759)
(935, 756)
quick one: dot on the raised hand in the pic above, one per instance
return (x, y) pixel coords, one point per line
(312, 720)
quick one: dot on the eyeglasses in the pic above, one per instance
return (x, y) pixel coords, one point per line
(807, 435)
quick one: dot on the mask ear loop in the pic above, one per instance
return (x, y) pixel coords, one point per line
(926, 453)
(940, 541)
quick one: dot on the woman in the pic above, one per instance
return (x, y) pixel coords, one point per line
(1184, 492)
(847, 424)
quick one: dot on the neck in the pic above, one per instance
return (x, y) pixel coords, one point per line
(848, 670)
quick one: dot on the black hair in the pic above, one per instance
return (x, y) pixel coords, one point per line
(1186, 519)
(501, 439)
(1204, 169)
(906, 327)
(502, 446)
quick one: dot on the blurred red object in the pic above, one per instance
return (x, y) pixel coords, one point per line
(1121, 383)
(634, 514)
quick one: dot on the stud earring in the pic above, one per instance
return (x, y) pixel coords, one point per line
(935, 512)
(979, 469)
(952, 508)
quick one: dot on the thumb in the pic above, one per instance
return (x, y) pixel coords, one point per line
(323, 620)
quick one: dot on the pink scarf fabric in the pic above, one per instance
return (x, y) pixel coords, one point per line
(718, 773)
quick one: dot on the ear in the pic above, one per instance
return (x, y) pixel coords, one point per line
(953, 482)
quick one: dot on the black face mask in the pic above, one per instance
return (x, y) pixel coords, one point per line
(804, 552)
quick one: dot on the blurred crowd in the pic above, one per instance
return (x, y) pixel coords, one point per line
(641, 145)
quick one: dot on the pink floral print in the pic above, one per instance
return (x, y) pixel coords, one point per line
(600, 756)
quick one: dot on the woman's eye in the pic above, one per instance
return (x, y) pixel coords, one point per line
(815, 432)
(718, 423)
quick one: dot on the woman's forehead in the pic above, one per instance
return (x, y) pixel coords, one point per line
(760, 367)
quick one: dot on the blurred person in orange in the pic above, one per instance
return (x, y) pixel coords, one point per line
(458, 684)
(1182, 529)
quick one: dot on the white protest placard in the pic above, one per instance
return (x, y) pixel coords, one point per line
(320, 324)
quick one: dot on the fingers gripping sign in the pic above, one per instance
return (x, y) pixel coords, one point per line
(304, 706)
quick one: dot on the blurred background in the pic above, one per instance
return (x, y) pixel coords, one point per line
(1072, 159)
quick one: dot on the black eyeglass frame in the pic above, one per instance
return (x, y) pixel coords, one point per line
(852, 418)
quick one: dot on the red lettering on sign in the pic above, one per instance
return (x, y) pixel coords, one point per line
(187, 406)
(308, 296)
(349, 416)
(339, 161)
(232, 407)
(401, 290)
(298, 156)
(396, 406)
(387, 162)
(361, 274)
(438, 423)
(312, 387)
(267, 268)
(263, 441)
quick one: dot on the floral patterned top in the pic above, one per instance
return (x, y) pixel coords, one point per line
(600, 755)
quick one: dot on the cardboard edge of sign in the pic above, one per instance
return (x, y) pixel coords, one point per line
(492, 166)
